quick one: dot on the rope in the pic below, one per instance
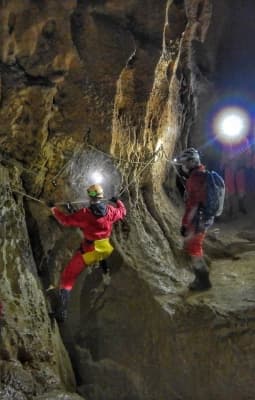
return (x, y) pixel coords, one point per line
(62, 203)
(64, 166)
(28, 196)
(87, 138)
(101, 152)
(174, 166)
(84, 201)
(145, 165)
(115, 158)
(78, 149)
(140, 172)
(43, 202)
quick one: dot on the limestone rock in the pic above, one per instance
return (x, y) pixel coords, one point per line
(32, 352)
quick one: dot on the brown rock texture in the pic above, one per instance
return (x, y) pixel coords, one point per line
(119, 87)
(32, 354)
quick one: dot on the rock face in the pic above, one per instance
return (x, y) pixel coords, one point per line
(115, 87)
(32, 354)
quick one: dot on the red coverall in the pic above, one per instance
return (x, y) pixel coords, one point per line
(234, 163)
(93, 228)
(195, 196)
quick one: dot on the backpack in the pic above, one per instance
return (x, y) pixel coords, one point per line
(215, 195)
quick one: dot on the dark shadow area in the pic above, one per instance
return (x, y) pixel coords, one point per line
(234, 80)
(230, 83)
(235, 61)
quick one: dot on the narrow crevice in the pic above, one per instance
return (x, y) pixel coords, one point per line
(34, 237)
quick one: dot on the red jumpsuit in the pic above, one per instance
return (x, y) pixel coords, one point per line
(94, 229)
(195, 196)
(234, 163)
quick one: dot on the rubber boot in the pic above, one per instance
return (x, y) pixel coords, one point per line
(104, 266)
(106, 272)
(61, 309)
(196, 282)
(201, 281)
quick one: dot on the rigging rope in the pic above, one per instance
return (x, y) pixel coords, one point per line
(150, 161)
(145, 164)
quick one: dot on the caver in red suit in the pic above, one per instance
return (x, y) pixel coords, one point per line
(235, 164)
(194, 197)
(192, 229)
(95, 246)
(95, 222)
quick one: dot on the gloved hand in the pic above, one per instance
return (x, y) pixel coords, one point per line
(70, 207)
(114, 199)
(183, 231)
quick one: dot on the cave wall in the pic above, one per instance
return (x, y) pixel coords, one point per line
(32, 354)
(137, 74)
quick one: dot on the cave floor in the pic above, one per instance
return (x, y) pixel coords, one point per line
(231, 249)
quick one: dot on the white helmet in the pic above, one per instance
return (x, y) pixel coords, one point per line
(189, 154)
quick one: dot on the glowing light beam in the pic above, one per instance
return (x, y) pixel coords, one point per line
(231, 125)
(96, 177)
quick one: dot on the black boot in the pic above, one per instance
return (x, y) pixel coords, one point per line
(61, 309)
(201, 281)
(106, 272)
(104, 266)
(195, 282)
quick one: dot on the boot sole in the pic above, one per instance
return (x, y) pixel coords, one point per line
(200, 289)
